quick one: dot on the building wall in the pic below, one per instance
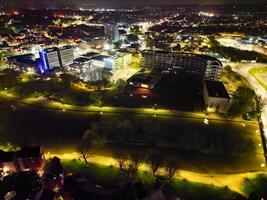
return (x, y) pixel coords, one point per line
(53, 59)
(213, 70)
(215, 104)
(66, 56)
(188, 64)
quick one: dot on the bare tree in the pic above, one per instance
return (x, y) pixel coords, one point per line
(171, 163)
(84, 151)
(91, 141)
(154, 160)
(121, 157)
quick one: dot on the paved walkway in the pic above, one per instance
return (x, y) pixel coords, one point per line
(45, 103)
(232, 181)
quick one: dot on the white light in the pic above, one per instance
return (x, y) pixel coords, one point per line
(206, 121)
(107, 46)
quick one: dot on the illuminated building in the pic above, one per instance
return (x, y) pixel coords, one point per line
(49, 59)
(52, 58)
(143, 80)
(112, 32)
(25, 159)
(66, 55)
(24, 63)
(193, 65)
(122, 60)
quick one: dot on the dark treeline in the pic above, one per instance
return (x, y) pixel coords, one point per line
(163, 136)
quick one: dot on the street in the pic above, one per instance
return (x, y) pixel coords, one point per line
(243, 69)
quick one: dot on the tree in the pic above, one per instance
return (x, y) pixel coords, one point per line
(84, 151)
(121, 158)
(96, 97)
(128, 163)
(154, 160)
(91, 141)
(258, 106)
(93, 138)
(243, 101)
(171, 163)
(3, 60)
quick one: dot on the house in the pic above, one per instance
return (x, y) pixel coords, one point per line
(30, 158)
(7, 164)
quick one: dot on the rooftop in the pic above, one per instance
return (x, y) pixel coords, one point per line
(90, 54)
(141, 78)
(6, 156)
(27, 152)
(65, 47)
(81, 60)
(101, 57)
(51, 49)
(216, 89)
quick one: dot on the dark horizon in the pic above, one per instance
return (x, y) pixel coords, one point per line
(122, 3)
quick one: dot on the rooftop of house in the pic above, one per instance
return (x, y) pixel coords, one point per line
(27, 152)
(6, 156)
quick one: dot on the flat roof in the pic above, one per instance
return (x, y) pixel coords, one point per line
(217, 89)
(101, 57)
(90, 54)
(82, 59)
(141, 78)
(207, 57)
(51, 49)
(28, 55)
(65, 47)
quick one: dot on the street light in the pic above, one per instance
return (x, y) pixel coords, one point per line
(206, 121)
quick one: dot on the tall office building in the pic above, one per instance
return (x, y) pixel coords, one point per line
(49, 59)
(52, 58)
(112, 32)
(198, 66)
(66, 55)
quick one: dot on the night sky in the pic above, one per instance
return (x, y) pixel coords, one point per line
(123, 2)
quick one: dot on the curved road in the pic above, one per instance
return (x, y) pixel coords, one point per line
(243, 70)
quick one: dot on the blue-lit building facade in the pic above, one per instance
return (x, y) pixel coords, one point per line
(53, 58)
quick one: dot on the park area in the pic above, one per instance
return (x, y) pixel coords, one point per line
(260, 74)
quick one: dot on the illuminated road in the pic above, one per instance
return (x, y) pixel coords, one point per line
(243, 69)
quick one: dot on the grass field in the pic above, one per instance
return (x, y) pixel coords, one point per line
(260, 74)
(110, 176)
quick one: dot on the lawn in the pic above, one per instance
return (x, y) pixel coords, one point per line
(110, 176)
(260, 74)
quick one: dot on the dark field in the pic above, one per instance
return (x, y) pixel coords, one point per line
(62, 131)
